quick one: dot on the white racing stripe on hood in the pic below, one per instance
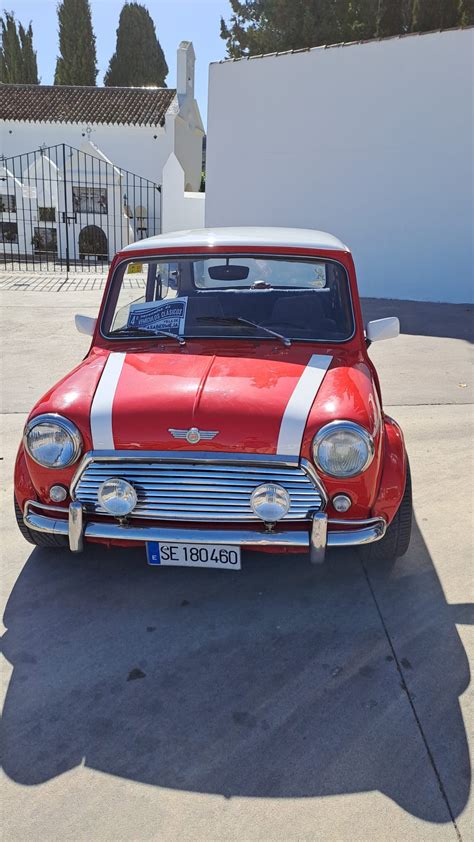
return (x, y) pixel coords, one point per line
(101, 409)
(294, 419)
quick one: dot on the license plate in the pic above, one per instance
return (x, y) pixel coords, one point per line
(210, 556)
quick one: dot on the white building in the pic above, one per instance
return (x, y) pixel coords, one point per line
(62, 205)
(372, 142)
(13, 237)
(136, 128)
(86, 170)
(50, 212)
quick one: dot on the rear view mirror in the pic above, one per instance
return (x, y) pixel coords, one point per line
(85, 324)
(226, 272)
(379, 329)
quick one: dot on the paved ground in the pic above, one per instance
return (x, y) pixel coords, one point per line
(56, 281)
(282, 703)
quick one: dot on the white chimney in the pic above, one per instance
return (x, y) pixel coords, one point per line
(185, 69)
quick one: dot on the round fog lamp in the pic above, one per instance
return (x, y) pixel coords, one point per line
(117, 496)
(57, 493)
(270, 502)
(342, 502)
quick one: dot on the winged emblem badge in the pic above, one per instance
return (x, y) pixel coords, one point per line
(193, 435)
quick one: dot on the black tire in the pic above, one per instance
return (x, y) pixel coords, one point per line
(396, 540)
(40, 539)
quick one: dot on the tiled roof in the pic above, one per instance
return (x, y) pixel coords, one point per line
(75, 104)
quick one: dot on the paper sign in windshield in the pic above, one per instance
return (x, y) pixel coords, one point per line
(159, 315)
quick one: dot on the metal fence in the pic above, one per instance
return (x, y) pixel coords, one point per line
(63, 209)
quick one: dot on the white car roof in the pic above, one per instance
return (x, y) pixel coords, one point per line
(304, 238)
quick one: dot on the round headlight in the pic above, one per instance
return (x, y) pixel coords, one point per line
(117, 496)
(343, 449)
(270, 502)
(52, 441)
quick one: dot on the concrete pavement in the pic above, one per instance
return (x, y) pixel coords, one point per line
(281, 703)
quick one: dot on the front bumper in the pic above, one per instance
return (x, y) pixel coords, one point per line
(319, 536)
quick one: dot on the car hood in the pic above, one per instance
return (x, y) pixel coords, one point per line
(259, 402)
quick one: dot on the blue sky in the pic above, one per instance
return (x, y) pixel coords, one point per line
(175, 20)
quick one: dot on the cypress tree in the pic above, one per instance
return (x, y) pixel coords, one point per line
(389, 18)
(17, 57)
(76, 64)
(30, 66)
(138, 59)
(11, 65)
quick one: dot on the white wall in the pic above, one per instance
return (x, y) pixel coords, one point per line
(180, 210)
(188, 149)
(131, 147)
(372, 142)
(142, 150)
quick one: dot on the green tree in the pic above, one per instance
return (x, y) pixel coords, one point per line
(28, 55)
(17, 57)
(435, 14)
(466, 13)
(76, 64)
(138, 59)
(245, 33)
(263, 26)
(361, 19)
(389, 18)
(10, 56)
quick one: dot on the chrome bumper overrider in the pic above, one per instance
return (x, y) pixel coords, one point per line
(316, 539)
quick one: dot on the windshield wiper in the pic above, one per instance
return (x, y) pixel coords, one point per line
(142, 331)
(222, 320)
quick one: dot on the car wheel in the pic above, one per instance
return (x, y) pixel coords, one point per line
(40, 539)
(396, 540)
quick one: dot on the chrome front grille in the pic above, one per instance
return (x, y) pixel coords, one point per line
(198, 490)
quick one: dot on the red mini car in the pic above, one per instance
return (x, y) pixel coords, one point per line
(227, 401)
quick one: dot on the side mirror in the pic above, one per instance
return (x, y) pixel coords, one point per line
(85, 324)
(383, 329)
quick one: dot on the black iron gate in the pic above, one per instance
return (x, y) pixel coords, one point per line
(65, 209)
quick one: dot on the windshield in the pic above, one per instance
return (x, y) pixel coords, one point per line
(230, 296)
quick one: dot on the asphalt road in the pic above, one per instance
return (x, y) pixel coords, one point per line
(279, 703)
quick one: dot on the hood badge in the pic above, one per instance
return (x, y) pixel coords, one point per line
(193, 435)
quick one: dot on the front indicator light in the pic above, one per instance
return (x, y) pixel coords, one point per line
(342, 502)
(117, 496)
(270, 502)
(57, 493)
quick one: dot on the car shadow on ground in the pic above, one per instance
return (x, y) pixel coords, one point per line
(424, 318)
(279, 681)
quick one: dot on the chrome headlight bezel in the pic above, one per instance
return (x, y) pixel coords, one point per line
(339, 426)
(66, 426)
